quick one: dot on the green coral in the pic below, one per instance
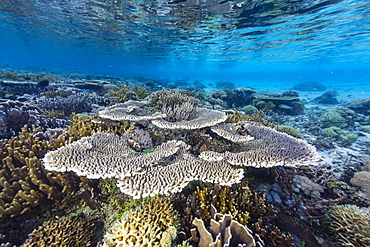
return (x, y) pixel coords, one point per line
(290, 131)
(366, 128)
(331, 119)
(344, 136)
(250, 109)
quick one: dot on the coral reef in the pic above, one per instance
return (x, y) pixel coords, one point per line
(105, 155)
(268, 148)
(362, 179)
(174, 177)
(76, 102)
(25, 185)
(230, 132)
(231, 98)
(349, 225)
(67, 231)
(280, 103)
(151, 224)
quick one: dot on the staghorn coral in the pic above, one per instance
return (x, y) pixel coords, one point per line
(203, 118)
(67, 231)
(349, 225)
(269, 148)
(224, 231)
(129, 111)
(151, 224)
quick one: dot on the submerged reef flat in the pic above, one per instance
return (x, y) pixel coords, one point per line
(149, 162)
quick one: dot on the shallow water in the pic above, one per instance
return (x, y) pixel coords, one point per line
(127, 50)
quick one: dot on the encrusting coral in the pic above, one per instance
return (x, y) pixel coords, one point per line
(268, 148)
(349, 225)
(154, 223)
(67, 231)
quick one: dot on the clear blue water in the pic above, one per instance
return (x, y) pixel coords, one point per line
(271, 42)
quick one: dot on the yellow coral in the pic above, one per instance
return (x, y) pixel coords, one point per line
(151, 224)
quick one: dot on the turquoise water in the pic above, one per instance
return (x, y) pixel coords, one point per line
(273, 42)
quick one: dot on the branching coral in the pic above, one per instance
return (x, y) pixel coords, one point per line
(349, 225)
(175, 105)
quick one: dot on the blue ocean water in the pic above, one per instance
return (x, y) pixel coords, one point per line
(252, 42)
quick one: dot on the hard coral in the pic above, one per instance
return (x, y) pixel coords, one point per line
(224, 231)
(151, 224)
(349, 225)
(175, 105)
(67, 231)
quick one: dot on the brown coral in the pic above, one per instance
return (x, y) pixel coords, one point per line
(67, 231)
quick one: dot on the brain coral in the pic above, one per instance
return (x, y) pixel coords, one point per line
(151, 224)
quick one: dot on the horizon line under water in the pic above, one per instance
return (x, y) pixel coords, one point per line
(254, 40)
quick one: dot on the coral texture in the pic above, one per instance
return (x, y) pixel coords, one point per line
(175, 176)
(269, 148)
(151, 224)
(174, 104)
(67, 231)
(203, 118)
(105, 155)
(349, 225)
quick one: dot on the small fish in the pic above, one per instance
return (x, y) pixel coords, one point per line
(350, 96)
(286, 107)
